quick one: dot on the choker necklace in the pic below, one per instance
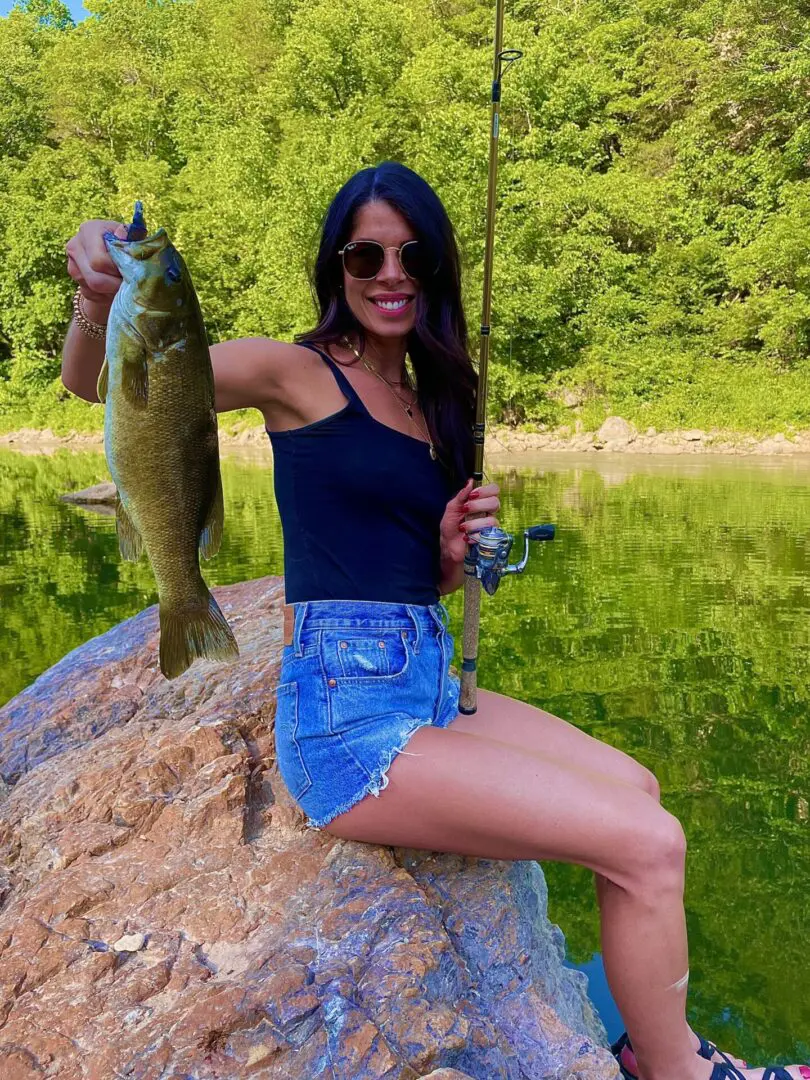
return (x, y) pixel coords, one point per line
(408, 409)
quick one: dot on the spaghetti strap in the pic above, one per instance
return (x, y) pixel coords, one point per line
(341, 379)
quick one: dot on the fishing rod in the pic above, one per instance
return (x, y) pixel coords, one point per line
(486, 561)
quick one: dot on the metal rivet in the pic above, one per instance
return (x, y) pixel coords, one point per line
(381, 644)
(333, 682)
(344, 644)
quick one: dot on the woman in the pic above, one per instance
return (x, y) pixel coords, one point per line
(372, 485)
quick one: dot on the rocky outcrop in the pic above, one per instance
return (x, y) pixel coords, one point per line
(164, 911)
(616, 435)
(98, 493)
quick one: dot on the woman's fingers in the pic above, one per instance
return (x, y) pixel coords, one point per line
(458, 500)
(75, 272)
(482, 505)
(96, 249)
(474, 525)
(472, 510)
(92, 280)
(89, 263)
(483, 498)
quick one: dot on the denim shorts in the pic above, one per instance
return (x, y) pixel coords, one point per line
(358, 679)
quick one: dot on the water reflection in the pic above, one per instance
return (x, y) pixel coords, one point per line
(62, 580)
(669, 617)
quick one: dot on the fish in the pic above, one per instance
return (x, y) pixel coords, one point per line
(160, 440)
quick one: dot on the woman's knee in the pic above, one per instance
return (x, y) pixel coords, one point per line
(651, 785)
(646, 780)
(658, 856)
(625, 767)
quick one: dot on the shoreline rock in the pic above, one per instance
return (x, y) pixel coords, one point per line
(616, 435)
(102, 494)
(164, 909)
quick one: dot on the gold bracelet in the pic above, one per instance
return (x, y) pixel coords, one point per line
(87, 326)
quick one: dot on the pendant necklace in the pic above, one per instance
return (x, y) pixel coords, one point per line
(407, 409)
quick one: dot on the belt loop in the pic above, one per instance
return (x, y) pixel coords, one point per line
(417, 627)
(446, 613)
(300, 615)
(434, 614)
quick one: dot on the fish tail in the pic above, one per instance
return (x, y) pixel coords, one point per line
(191, 631)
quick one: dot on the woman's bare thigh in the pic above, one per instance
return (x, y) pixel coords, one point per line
(520, 724)
(456, 792)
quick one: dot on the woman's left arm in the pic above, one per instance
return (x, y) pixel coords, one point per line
(456, 533)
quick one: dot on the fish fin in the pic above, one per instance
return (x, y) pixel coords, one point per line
(211, 534)
(103, 381)
(135, 380)
(129, 539)
(187, 633)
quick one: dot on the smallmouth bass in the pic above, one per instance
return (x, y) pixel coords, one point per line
(160, 440)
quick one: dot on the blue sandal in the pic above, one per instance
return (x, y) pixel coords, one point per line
(731, 1072)
(706, 1050)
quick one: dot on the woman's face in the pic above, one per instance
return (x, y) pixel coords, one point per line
(381, 222)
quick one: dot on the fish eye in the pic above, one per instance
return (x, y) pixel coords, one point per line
(171, 266)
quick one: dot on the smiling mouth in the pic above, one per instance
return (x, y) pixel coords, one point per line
(392, 305)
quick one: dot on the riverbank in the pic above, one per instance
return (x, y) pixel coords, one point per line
(616, 435)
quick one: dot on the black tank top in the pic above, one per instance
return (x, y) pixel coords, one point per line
(360, 506)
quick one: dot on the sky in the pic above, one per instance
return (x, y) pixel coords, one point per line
(76, 9)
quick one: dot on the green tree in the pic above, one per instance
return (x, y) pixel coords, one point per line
(652, 199)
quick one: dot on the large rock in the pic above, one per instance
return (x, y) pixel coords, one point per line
(98, 493)
(164, 911)
(616, 430)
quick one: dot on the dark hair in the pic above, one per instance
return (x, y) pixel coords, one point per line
(437, 345)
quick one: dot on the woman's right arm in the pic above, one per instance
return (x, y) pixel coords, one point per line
(248, 372)
(97, 276)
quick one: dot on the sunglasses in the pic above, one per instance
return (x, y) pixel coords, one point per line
(364, 259)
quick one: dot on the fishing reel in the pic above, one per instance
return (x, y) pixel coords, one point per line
(487, 557)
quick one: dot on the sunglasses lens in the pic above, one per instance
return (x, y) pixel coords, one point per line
(414, 259)
(363, 259)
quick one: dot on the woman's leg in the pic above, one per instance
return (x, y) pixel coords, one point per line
(537, 731)
(456, 792)
(529, 728)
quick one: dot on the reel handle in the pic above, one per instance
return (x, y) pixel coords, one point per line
(540, 532)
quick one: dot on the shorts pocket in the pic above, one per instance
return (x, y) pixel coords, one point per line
(288, 752)
(365, 654)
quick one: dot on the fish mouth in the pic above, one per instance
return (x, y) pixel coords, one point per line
(139, 249)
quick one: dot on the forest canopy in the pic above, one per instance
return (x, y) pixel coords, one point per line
(653, 223)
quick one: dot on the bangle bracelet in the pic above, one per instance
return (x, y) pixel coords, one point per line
(87, 326)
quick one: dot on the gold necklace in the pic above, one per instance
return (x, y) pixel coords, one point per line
(408, 409)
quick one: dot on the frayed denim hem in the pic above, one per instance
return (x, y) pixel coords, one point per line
(377, 782)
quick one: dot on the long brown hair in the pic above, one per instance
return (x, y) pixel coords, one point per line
(437, 345)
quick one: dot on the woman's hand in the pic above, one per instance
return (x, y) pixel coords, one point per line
(456, 532)
(89, 263)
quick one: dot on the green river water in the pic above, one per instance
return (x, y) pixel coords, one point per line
(669, 618)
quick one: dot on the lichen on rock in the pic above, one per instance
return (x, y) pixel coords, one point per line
(164, 911)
